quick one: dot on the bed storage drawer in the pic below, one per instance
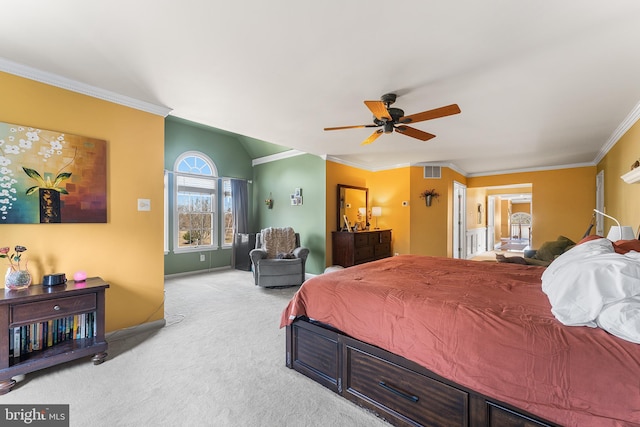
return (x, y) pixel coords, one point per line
(503, 417)
(401, 392)
(322, 363)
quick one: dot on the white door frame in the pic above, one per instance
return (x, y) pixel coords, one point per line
(459, 220)
(600, 202)
(491, 223)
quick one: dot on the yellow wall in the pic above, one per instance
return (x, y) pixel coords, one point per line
(127, 251)
(416, 228)
(476, 197)
(563, 200)
(339, 174)
(622, 200)
(521, 207)
(388, 189)
(505, 212)
(432, 227)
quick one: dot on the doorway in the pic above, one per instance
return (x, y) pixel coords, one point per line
(509, 217)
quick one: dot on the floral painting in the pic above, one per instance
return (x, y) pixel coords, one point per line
(51, 177)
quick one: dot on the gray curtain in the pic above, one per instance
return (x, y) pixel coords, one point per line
(240, 200)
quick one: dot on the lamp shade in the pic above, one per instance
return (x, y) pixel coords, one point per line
(376, 211)
(623, 232)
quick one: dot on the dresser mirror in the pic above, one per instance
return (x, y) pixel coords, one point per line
(350, 199)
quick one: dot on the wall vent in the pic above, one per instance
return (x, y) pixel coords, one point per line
(432, 172)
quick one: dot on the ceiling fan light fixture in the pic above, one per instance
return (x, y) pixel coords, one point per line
(386, 118)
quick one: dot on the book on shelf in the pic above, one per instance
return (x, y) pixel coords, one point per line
(27, 339)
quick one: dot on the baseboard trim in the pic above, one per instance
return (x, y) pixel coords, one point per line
(190, 273)
(135, 330)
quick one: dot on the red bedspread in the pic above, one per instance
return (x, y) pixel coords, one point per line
(486, 326)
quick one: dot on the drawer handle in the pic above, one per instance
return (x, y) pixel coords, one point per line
(56, 307)
(410, 397)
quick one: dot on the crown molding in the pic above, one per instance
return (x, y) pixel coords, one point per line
(538, 169)
(275, 157)
(622, 128)
(51, 79)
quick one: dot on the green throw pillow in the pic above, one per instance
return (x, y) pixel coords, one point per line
(550, 250)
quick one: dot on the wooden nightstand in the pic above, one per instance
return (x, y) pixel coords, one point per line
(50, 325)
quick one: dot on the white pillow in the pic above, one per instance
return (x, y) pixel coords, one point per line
(622, 319)
(578, 290)
(577, 253)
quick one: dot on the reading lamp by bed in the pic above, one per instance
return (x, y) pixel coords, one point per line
(618, 232)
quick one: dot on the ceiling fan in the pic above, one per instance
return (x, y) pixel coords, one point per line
(388, 119)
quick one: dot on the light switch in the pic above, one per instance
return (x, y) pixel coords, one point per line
(144, 204)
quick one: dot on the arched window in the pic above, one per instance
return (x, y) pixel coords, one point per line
(195, 203)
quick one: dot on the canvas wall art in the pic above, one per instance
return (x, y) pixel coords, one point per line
(51, 177)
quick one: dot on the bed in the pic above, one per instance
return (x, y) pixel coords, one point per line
(438, 341)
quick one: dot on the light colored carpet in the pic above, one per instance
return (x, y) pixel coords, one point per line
(219, 361)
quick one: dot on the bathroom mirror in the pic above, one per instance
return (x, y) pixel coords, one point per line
(350, 199)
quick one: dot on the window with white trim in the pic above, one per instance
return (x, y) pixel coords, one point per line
(195, 203)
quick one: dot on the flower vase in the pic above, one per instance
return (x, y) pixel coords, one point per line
(16, 279)
(428, 200)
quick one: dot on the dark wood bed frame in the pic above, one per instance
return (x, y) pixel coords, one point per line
(396, 389)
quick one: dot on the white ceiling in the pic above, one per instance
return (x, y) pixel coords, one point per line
(541, 83)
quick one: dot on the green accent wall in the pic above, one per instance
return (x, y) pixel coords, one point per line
(233, 156)
(280, 178)
(231, 159)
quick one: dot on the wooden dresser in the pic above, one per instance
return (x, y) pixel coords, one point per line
(360, 247)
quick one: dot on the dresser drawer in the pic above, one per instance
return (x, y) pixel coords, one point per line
(404, 393)
(382, 250)
(361, 239)
(32, 312)
(363, 253)
(385, 237)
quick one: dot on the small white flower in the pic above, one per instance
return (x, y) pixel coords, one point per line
(6, 171)
(33, 136)
(12, 138)
(5, 185)
(13, 190)
(25, 143)
(4, 193)
(55, 145)
(12, 149)
(4, 161)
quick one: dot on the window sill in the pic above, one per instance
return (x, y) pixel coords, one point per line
(195, 249)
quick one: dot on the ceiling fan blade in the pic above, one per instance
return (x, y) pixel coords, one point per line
(378, 109)
(414, 133)
(431, 114)
(352, 127)
(373, 137)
